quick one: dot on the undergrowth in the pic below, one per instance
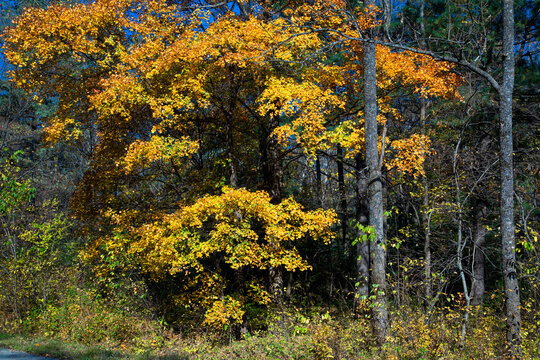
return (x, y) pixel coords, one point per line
(85, 326)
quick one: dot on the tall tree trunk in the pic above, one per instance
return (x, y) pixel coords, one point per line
(460, 246)
(233, 174)
(342, 203)
(362, 218)
(272, 176)
(233, 181)
(375, 194)
(272, 169)
(479, 266)
(511, 286)
(387, 6)
(318, 183)
(428, 290)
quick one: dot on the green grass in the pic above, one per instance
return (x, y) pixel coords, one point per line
(255, 348)
(72, 351)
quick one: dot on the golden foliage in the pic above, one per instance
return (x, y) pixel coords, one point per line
(242, 228)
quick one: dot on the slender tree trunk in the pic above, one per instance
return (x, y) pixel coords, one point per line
(362, 218)
(272, 176)
(511, 286)
(272, 168)
(479, 265)
(233, 180)
(375, 193)
(233, 174)
(387, 14)
(318, 183)
(342, 203)
(460, 246)
(428, 290)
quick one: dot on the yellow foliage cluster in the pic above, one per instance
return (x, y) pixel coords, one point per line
(224, 312)
(233, 216)
(410, 154)
(141, 153)
(242, 228)
(428, 77)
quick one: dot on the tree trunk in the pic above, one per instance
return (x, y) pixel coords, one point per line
(362, 218)
(318, 183)
(272, 176)
(511, 286)
(428, 291)
(460, 246)
(344, 249)
(272, 169)
(233, 174)
(479, 265)
(375, 194)
(387, 17)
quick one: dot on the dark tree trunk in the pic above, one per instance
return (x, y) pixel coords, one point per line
(362, 218)
(428, 289)
(479, 266)
(342, 202)
(511, 286)
(375, 193)
(272, 171)
(233, 174)
(318, 184)
(233, 180)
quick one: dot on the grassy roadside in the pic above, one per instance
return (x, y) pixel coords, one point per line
(254, 348)
(73, 351)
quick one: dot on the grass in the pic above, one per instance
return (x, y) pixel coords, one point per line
(73, 351)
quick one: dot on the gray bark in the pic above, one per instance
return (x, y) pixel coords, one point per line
(362, 218)
(272, 170)
(387, 6)
(511, 286)
(428, 290)
(342, 202)
(460, 246)
(233, 174)
(479, 264)
(375, 194)
(318, 182)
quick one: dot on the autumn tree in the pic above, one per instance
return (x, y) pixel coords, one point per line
(375, 202)
(137, 76)
(174, 94)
